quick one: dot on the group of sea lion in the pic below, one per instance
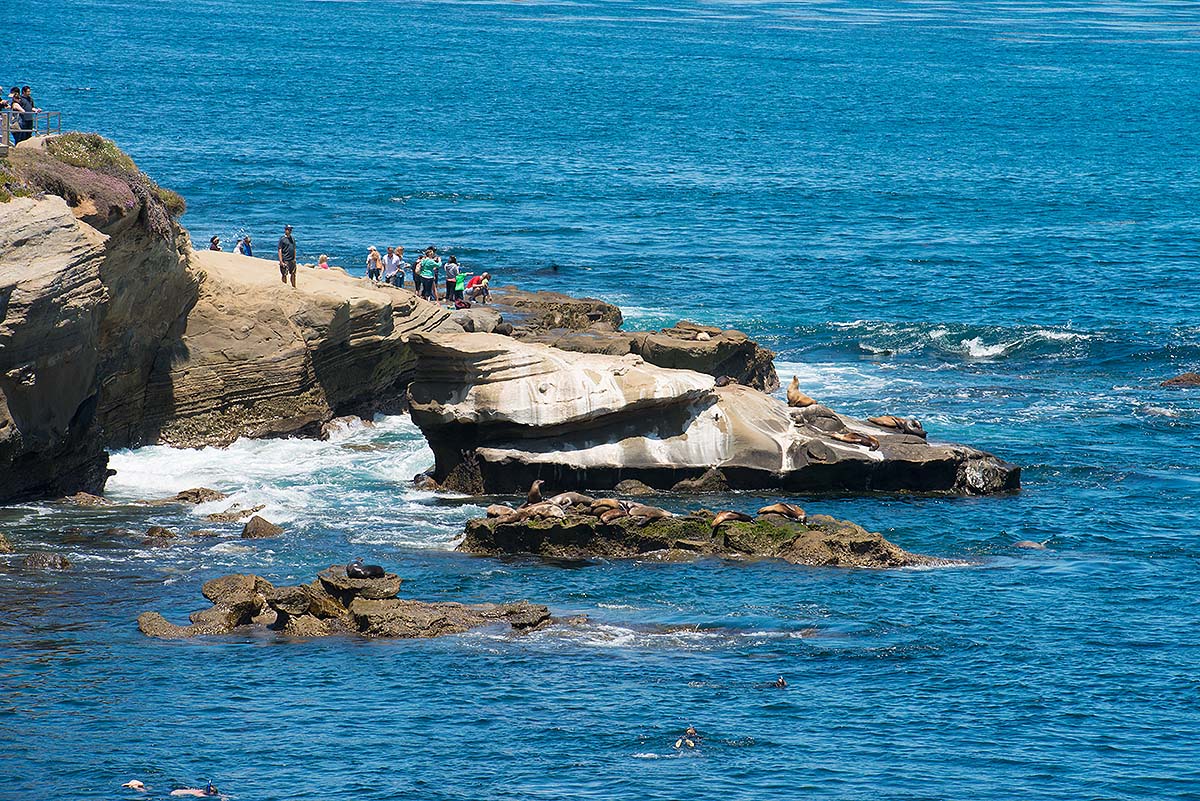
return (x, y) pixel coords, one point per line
(608, 510)
(536, 507)
(902, 425)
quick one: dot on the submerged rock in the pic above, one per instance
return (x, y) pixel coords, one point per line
(817, 540)
(515, 412)
(336, 603)
(45, 560)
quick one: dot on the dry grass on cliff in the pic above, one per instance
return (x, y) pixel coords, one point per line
(89, 170)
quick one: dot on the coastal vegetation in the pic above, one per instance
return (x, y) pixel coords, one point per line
(93, 175)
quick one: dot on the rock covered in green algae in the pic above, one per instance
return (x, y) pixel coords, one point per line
(819, 540)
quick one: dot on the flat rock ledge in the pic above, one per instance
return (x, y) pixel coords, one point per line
(336, 604)
(817, 540)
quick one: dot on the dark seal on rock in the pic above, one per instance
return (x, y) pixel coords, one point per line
(357, 570)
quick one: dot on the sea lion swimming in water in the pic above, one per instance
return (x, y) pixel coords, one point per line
(797, 398)
(729, 516)
(788, 510)
(855, 438)
(535, 493)
(358, 570)
(1031, 545)
(571, 499)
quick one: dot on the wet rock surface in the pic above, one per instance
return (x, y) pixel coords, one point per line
(45, 560)
(258, 528)
(333, 604)
(580, 533)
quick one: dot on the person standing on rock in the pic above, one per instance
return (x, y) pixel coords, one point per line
(451, 270)
(287, 256)
(374, 265)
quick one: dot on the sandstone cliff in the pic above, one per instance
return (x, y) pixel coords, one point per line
(256, 357)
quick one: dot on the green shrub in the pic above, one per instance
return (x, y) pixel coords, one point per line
(90, 150)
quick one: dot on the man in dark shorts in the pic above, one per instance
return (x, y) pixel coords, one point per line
(287, 256)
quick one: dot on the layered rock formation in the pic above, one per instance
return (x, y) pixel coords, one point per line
(83, 313)
(257, 358)
(588, 325)
(581, 533)
(510, 413)
(335, 603)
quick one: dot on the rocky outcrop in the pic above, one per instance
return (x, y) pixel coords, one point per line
(581, 533)
(84, 311)
(517, 412)
(588, 325)
(257, 358)
(1183, 380)
(336, 603)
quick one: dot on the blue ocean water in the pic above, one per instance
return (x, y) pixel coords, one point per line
(982, 214)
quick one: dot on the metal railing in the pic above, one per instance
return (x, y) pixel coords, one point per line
(17, 126)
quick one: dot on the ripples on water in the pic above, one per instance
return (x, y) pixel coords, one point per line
(979, 214)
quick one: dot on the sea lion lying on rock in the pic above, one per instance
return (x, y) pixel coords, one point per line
(855, 438)
(730, 516)
(788, 510)
(572, 499)
(905, 425)
(609, 515)
(644, 514)
(499, 510)
(604, 504)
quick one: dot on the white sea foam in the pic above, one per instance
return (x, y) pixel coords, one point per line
(360, 481)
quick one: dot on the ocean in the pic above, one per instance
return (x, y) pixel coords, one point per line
(981, 214)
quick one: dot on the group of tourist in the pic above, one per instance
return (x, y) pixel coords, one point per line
(20, 109)
(461, 288)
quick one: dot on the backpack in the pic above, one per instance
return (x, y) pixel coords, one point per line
(461, 304)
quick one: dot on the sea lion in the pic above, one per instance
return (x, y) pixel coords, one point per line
(499, 510)
(729, 515)
(1031, 545)
(855, 438)
(565, 499)
(535, 493)
(357, 570)
(703, 336)
(788, 510)
(645, 514)
(545, 511)
(604, 504)
(613, 514)
(797, 398)
(906, 425)
(725, 381)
